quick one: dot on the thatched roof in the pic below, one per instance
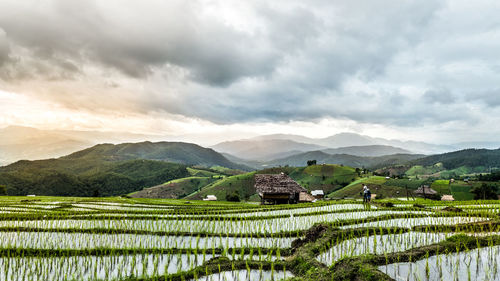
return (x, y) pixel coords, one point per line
(276, 183)
(427, 190)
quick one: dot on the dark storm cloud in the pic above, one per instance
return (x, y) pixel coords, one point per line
(137, 38)
(232, 62)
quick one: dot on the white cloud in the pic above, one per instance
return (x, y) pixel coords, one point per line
(404, 67)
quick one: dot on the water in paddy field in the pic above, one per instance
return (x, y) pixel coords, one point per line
(380, 244)
(245, 275)
(63, 240)
(86, 268)
(411, 222)
(474, 265)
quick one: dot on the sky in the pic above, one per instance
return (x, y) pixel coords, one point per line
(409, 70)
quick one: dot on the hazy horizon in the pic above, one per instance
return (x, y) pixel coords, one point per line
(210, 71)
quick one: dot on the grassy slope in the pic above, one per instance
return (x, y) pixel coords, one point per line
(243, 184)
(173, 189)
(326, 177)
(376, 185)
(441, 186)
(201, 173)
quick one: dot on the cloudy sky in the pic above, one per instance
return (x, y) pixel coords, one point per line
(421, 70)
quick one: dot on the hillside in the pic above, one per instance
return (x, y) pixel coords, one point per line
(447, 165)
(344, 159)
(109, 169)
(25, 143)
(66, 177)
(326, 177)
(175, 189)
(468, 157)
(177, 152)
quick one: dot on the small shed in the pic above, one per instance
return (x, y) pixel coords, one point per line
(426, 191)
(318, 194)
(277, 189)
(305, 197)
(210, 198)
(447, 198)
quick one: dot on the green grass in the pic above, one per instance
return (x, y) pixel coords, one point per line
(427, 170)
(441, 186)
(201, 173)
(328, 177)
(461, 191)
(410, 183)
(375, 183)
(243, 184)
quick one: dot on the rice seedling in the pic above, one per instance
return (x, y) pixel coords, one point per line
(123, 239)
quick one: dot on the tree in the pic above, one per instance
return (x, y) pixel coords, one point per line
(233, 197)
(3, 190)
(485, 191)
(311, 162)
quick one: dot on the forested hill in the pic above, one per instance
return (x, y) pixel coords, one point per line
(86, 177)
(467, 157)
(176, 152)
(108, 169)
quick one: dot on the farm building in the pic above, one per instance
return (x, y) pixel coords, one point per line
(277, 189)
(447, 198)
(318, 194)
(426, 191)
(305, 197)
(210, 198)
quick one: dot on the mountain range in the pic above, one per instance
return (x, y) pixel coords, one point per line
(25, 143)
(270, 147)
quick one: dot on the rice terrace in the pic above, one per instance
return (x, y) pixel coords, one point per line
(226, 140)
(125, 238)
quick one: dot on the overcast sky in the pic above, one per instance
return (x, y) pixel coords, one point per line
(422, 70)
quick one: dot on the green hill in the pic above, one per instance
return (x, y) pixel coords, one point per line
(325, 177)
(376, 185)
(107, 169)
(450, 165)
(175, 189)
(463, 158)
(65, 177)
(176, 152)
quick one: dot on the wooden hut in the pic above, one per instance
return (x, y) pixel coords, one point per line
(305, 197)
(426, 192)
(318, 194)
(447, 198)
(277, 189)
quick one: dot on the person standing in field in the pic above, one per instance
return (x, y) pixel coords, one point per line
(365, 192)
